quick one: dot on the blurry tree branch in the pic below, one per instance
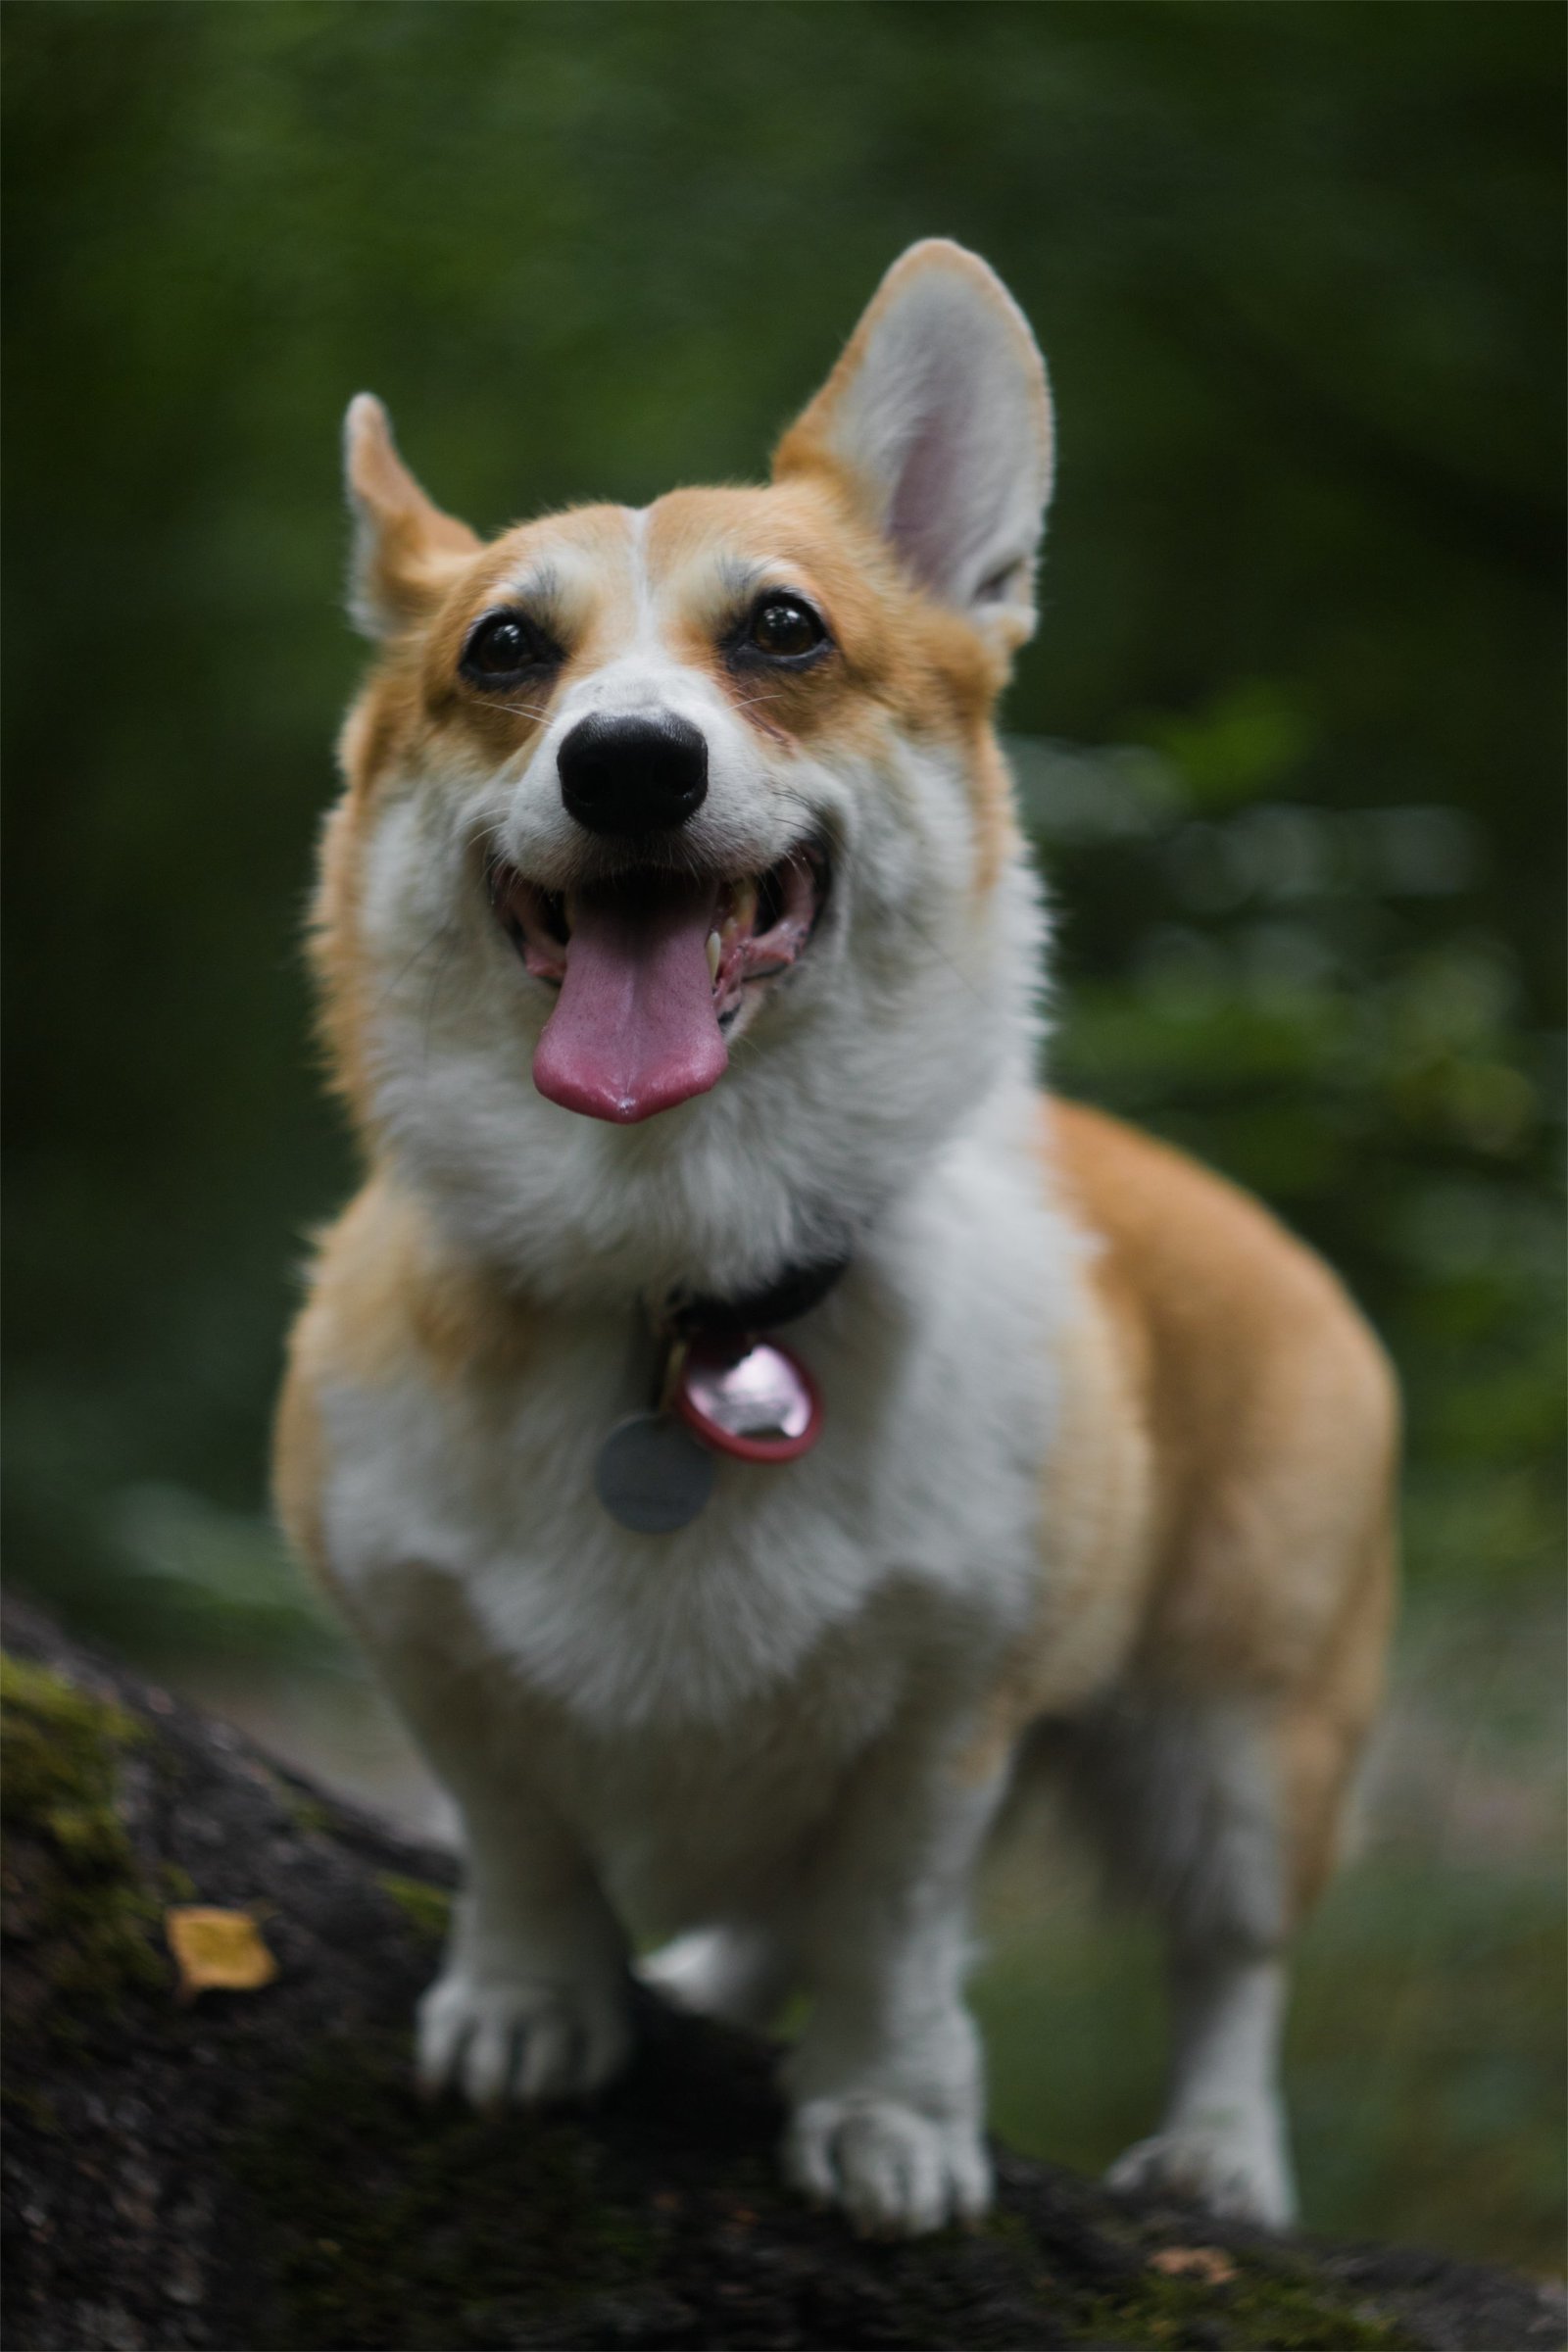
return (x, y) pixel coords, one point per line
(248, 2167)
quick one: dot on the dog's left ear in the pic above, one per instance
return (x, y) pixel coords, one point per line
(404, 546)
(937, 420)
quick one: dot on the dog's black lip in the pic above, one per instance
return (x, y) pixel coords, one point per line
(607, 871)
(614, 858)
(496, 869)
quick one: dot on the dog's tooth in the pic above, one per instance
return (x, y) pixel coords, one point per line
(716, 948)
(745, 905)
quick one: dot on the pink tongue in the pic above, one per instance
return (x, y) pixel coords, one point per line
(634, 1029)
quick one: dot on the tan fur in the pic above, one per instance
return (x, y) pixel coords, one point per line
(1322, 1727)
(387, 1299)
(1215, 1493)
(299, 1468)
(1216, 1506)
(1267, 1426)
(904, 662)
(1215, 1513)
(1098, 1495)
(417, 546)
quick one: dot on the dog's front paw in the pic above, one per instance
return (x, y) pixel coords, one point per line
(525, 2038)
(1233, 2167)
(897, 2173)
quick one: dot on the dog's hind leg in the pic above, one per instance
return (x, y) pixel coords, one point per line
(1182, 1801)
(1223, 1811)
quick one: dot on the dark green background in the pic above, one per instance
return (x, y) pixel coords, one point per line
(1292, 738)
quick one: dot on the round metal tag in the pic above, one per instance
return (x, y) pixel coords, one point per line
(651, 1475)
(752, 1399)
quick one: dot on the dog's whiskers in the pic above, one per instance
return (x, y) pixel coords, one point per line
(523, 709)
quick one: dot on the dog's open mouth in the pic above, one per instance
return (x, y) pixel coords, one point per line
(653, 969)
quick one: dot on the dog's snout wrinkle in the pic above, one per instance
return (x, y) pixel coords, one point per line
(628, 774)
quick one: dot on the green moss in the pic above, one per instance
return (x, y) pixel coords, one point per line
(1009, 2229)
(22, 2104)
(429, 1907)
(58, 1746)
(391, 2222)
(84, 1916)
(397, 2222)
(308, 1813)
(1257, 2311)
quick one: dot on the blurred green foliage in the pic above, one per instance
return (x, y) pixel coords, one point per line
(1291, 739)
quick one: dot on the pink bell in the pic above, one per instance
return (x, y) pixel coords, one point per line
(749, 1398)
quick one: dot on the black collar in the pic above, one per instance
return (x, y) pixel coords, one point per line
(791, 1295)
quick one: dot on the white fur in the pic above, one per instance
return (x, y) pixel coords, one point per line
(904, 1006)
(1187, 1813)
(750, 1733)
(1222, 2142)
(756, 1720)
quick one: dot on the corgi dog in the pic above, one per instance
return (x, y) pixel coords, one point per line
(748, 1426)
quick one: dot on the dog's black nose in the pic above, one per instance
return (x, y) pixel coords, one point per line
(633, 775)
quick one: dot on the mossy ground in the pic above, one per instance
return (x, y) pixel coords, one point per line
(267, 2154)
(83, 1929)
(404, 2223)
(429, 1907)
(1257, 2309)
(397, 2222)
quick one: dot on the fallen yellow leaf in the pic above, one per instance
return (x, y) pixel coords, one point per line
(1194, 2262)
(216, 1951)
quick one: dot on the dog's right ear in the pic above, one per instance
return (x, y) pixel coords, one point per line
(937, 424)
(404, 546)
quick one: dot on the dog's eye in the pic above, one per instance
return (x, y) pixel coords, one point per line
(784, 627)
(502, 646)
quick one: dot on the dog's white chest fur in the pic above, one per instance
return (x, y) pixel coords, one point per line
(729, 1672)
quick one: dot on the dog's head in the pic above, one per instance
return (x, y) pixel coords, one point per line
(675, 906)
